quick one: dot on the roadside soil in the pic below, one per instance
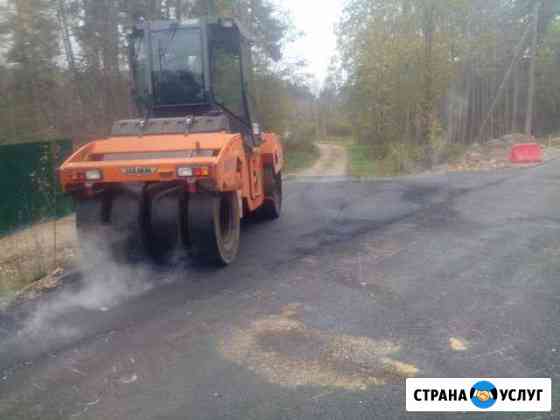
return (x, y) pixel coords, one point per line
(495, 155)
(34, 253)
(332, 162)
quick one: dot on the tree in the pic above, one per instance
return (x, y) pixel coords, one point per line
(430, 73)
(65, 71)
(531, 94)
(33, 47)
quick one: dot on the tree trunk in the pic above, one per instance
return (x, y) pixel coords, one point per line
(155, 9)
(427, 106)
(515, 111)
(531, 93)
(178, 11)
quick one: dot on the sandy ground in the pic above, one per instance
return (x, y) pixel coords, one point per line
(332, 162)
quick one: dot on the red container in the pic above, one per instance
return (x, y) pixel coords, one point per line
(526, 153)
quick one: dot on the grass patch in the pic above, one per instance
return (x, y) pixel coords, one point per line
(301, 156)
(455, 152)
(399, 159)
(362, 164)
(27, 256)
(19, 273)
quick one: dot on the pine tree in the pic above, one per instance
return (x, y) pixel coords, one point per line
(31, 26)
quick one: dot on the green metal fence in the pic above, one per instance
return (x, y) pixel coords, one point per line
(29, 188)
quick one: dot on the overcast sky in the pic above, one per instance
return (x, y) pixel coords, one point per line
(316, 18)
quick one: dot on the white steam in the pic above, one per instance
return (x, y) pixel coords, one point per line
(105, 284)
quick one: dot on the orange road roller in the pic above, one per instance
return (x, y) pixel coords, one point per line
(195, 162)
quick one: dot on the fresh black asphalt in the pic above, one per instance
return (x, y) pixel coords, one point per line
(413, 261)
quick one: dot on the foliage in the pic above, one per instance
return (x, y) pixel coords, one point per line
(29, 83)
(300, 156)
(65, 72)
(548, 82)
(425, 75)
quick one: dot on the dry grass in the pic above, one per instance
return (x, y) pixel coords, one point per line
(33, 253)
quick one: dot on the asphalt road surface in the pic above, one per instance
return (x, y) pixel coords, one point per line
(326, 312)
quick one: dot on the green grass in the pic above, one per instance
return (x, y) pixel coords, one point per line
(301, 157)
(400, 159)
(455, 152)
(363, 165)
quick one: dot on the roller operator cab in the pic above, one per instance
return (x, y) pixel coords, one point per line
(194, 162)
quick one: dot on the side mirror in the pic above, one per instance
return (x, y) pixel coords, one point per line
(257, 138)
(256, 129)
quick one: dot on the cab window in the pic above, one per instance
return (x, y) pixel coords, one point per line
(227, 80)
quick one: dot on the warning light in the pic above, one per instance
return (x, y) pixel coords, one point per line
(202, 171)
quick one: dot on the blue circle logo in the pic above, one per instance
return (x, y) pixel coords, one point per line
(484, 394)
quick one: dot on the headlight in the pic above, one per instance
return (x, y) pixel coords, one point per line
(187, 171)
(93, 175)
(184, 172)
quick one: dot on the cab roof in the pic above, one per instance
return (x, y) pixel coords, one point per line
(162, 25)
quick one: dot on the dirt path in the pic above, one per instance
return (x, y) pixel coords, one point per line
(333, 161)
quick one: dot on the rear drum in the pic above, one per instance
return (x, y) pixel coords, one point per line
(272, 206)
(214, 227)
(130, 223)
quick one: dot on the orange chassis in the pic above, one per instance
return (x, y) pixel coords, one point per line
(220, 162)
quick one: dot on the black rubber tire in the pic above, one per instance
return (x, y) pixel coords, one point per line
(272, 206)
(162, 225)
(214, 227)
(112, 227)
(127, 225)
(92, 231)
